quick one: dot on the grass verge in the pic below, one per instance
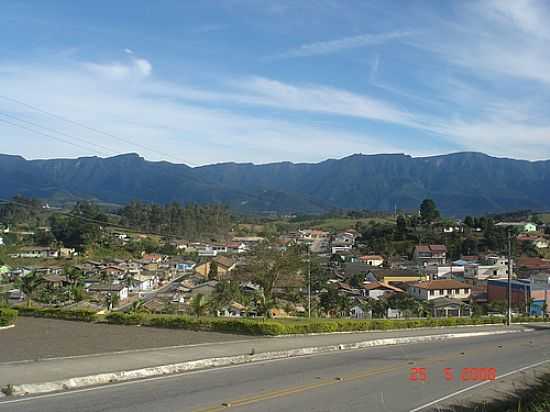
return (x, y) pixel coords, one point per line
(7, 316)
(533, 399)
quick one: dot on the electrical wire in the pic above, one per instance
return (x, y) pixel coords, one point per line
(92, 129)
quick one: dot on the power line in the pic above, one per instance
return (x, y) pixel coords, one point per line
(50, 136)
(93, 129)
(57, 132)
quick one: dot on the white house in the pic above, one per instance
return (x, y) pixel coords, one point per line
(444, 271)
(484, 272)
(433, 289)
(211, 250)
(339, 249)
(376, 290)
(522, 226)
(145, 282)
(116, 290)
(36, 252)
(234, 310)
(236, 247)
(372, 260)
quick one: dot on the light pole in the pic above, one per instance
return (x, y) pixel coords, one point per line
(308, 282)
(509, 315)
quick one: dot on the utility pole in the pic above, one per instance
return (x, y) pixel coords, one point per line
(509, 314)
(309, 281)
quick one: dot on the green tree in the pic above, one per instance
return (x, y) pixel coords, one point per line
(137, 306)
(403, 302)
(401, 226)
(529, 249)
(379, 308)
(213, 271)
(270, 267)
(199, 305)
(72, 274)
(469, 221)
(77, 293)
(344, 304)
(428, 211)
(356, 280)
(29, 285)
(224, 294)
(329, 301)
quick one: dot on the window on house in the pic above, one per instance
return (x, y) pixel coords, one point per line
(432, 292)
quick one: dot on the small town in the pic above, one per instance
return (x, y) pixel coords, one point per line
(275, 206)
(414, 265)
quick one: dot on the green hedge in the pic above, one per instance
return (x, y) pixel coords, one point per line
(242, 326)
(56, 313)
(7, 316)
(260, 326)
(287, 327)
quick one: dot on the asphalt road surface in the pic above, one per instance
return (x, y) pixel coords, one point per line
(39, 338)
(377, 379)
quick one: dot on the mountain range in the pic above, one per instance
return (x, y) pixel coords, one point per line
(460, 183)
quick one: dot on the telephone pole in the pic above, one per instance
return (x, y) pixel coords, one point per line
(509, 314)
(308, 281)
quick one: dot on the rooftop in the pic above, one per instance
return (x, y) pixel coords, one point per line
(442, 284)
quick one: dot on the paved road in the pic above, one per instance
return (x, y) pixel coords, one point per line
(35, 338)
(367, 380)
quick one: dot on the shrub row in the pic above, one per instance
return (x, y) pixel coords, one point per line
(241, 326)
(56, 313)
(260, 326)
(284, 327)
(7, 316)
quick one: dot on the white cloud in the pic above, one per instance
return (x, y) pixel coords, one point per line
(110, 70)
(528, 15)
(136, 67)
(191, 133)
(313, 98)
(128, 51)
(143, 66)
(505, 38)
(334, 46)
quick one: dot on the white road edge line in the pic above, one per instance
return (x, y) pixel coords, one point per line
(163, 377)
(173, 376)
(477, 385)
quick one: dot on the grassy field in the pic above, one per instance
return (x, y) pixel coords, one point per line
(342, 223)
(545, 217)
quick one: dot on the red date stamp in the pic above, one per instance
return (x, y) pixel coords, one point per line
(464, 374)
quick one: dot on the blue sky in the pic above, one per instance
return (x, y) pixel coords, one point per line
(261, 81)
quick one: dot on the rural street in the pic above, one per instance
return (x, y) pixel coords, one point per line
(376, 379)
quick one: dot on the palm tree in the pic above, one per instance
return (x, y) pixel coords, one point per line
(199, 305)
(28, 286)
(137, 306)
(77, 293)
(130, 281)
(72, 274)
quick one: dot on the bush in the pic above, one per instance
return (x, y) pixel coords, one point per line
(272, 327)
(7, 316)
(120, 318)
(56, 313)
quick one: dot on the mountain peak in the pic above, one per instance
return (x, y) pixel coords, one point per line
(460, 183)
